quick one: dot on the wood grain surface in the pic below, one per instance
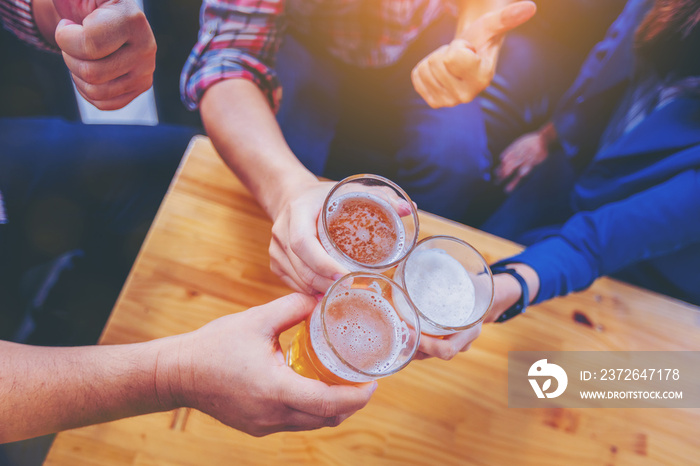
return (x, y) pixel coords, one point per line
(206, 256)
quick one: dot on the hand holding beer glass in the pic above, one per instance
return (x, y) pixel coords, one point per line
(365, 328)
(368, 326)
(451, 287)
(449, 283)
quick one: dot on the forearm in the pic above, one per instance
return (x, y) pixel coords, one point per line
(243, 128)
(46, 19)
(45, 390)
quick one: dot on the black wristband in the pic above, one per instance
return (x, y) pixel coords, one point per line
(520, 306)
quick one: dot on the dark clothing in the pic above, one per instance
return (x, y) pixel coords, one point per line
(634, 210)
(84, 192)
(341, 119)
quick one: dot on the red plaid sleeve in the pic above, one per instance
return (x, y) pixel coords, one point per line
(237, 39)
(18, 18)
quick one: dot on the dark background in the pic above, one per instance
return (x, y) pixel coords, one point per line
(34, 83)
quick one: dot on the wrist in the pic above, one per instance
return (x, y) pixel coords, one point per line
(531, 278)
(507, 292)
(173, 371)
(289, 187)
(515, 286)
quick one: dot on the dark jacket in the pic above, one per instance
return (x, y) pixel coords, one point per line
(637, 202)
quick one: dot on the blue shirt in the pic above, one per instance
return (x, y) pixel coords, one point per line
(637, 203)
(603, 76)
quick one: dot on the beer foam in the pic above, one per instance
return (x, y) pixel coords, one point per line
(440, 287)
(365, 330)
(368, 237)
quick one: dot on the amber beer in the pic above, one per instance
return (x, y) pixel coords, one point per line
(365, 228)
(364, 328)
(367, 223)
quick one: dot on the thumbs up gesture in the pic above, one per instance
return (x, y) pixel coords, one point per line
(109, 49)
(456, 73)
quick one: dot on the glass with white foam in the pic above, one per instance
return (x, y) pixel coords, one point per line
(449, 283)
(368, 223)
(363, 329)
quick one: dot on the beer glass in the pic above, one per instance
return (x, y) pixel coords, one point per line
(449, 283)
(368, 223)
(363, 329)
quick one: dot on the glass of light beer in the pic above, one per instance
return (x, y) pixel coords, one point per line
(449, 283)
(364, 328)
(368, 223)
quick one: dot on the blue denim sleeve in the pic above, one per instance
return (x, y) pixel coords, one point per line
(658, 221)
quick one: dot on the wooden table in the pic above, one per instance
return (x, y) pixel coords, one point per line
(206, 256)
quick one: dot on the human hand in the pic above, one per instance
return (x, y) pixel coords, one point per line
(234, 370)
(296, 254)
(458, 72)
(109, 49)
(525, 153)
(448, 347)
(506, 292)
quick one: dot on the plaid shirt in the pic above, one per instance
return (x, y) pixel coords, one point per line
(17, 17)
(240, 38)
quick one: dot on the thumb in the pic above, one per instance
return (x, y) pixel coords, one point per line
(493, 25)
(69, 37)
(317, 398)
(284, 313)
(64, 23)
(72, 10)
